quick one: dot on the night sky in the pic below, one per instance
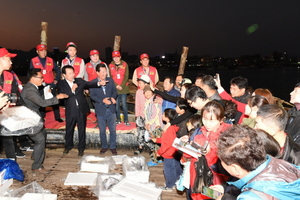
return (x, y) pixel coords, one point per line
(207, 27)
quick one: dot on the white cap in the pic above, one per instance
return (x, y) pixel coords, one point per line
(144, 78)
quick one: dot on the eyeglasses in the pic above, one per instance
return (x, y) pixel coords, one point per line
(39, 77)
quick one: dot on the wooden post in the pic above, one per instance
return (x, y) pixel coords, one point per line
(183, 60)
(44, 32)
(117, 43)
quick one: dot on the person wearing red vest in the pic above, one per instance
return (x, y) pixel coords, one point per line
(47, 66)
(119, 73)
(145, 69)
(73, 60)
(9, 84)
(90, 72)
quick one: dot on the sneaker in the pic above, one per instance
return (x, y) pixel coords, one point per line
(127, 123)
(160, 161)
(26, 148)
(151, 163)
(118, 122)
(114, 151)
(166, 189)
(137, 152)
(20, 154)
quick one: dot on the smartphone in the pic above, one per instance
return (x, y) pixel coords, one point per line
(210, 192)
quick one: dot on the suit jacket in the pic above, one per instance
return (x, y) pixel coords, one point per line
(33, 99)
(70, 102)
(98, 95)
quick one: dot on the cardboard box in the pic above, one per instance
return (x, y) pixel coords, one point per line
(137, 191)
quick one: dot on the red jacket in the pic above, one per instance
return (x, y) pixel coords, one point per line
(211, 157)
(167, 150)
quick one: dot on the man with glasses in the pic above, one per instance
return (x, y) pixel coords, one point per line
(33, 100)
(196, 97)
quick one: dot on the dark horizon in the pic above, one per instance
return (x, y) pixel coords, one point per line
(217, 28)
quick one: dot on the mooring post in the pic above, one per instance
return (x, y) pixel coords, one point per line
(183, 60)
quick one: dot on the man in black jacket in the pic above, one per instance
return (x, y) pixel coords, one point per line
(272, 119)
(76, 107)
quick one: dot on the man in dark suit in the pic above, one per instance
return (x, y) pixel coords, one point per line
(105, 107)
(76, 107)
(33, 100)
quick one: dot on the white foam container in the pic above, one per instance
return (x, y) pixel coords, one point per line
(38, 196)
(137, 191)
(136, 175)
(119, 158)
(81, 179)
(5, 185)
(96, 164)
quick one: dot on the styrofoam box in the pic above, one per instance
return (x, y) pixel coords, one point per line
(81, 179)
(136, 175)
(2, 176)
(10, 198)
(38, 196)
(119, 158)
(86, 164)
(137, 191)
(104, 194)
(5, 185)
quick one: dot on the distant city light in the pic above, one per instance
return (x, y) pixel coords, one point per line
(163, 57)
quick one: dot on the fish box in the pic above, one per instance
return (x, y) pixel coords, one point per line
(38, 196)
(5, 185)
(91, 163)
(136, 169)
(137, 191)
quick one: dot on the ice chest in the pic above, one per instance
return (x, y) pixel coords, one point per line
(136, 169)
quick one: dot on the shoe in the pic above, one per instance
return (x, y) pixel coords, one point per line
(80, 153)
(66, 151)
(166, 189)
(59, 120)
(114, 151)
(137, 152)
(26, 148)
(40, 170)
(118, 122)
(160, 161)
(127, 123)
(151, 163)
(20, 154)
(103, 150)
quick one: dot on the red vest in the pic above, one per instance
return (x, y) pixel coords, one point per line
(152, 73)
(91, 71)
(117, 75)
(7, 82)
(76, 64)
(47, 70)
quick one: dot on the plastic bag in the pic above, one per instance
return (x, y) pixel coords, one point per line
(12, 169)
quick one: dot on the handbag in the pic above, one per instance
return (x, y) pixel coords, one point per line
(204, 175)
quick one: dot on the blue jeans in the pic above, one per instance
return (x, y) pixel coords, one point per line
(123, 99)
(110, 119)
(172, 171)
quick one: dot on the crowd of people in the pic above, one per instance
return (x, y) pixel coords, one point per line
(248, 144)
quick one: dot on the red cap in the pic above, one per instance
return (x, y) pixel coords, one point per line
(5, 53)
(116, 54)
(144, 55)
(41, 47)
(94, 52)
(72, 44)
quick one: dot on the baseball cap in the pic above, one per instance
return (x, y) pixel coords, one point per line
(144, 55)
(71, 44)
(94, 52)
(5, 53)
(41, 47)
(144, 78)
(116, 54)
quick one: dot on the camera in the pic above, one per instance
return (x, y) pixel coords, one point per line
(12, 97)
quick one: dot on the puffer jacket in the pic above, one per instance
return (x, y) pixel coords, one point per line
(291, 151)
(274, 179)
(293, 125)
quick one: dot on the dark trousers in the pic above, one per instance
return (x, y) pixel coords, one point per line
(172, 171)
(9, 146)
(80, 120)
(39, 149)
